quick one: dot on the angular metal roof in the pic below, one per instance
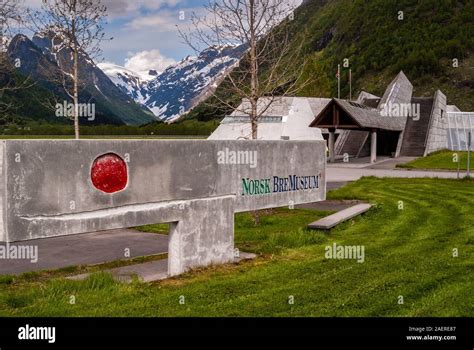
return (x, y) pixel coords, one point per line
(366, 95)
(399, 91)
(364, 116)
(371, 118)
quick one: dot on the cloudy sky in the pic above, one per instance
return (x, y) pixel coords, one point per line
(145, 34)
(144, 31)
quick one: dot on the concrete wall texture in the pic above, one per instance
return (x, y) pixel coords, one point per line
(438, 131)
(46, 189)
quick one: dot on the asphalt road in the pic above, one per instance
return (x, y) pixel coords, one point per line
(85, 249)
(339, 174)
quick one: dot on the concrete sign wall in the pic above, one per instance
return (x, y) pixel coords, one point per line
(54, 188)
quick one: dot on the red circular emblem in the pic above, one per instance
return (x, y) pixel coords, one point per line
(109, 173)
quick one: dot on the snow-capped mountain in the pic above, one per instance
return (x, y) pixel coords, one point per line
(43, 64)
(181, 86)
(130, 82)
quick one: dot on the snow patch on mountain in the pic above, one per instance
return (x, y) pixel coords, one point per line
(132, 83)
(181, 86)
(4, 42)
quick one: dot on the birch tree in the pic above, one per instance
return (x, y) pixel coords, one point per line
(76, 28)
(263, 27)
(10, 15)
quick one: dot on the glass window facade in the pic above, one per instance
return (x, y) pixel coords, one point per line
(459, 126)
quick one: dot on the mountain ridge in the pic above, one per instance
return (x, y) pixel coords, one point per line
(40, 64)
(181, 86)
(378, 38)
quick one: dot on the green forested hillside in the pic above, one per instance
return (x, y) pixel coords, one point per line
(378, 44)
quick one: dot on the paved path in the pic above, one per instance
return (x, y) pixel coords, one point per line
(86, 249)
(390, 163)
(335, 185)
(364, 163)
(346, 175)
(149, 271)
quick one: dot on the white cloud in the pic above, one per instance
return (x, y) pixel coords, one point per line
(163, 22)
(121, 8)
(128, 8)
(144, 61)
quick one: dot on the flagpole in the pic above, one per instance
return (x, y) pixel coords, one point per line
(350, 84)
(338, 81)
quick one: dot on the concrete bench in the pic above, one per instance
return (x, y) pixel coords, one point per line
(335, 219)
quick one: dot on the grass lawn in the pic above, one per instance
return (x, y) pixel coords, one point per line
(157, 228)
(408, 252)
(442, 160)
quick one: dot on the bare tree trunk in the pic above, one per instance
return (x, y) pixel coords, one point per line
(76, 29)
(253, 120)
(75, 74)
(253, 86)
(253, 71)
(76, 96)
(263, 27)
(256, 217)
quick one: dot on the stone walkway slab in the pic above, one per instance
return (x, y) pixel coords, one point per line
(335, 219)
(148, 272)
